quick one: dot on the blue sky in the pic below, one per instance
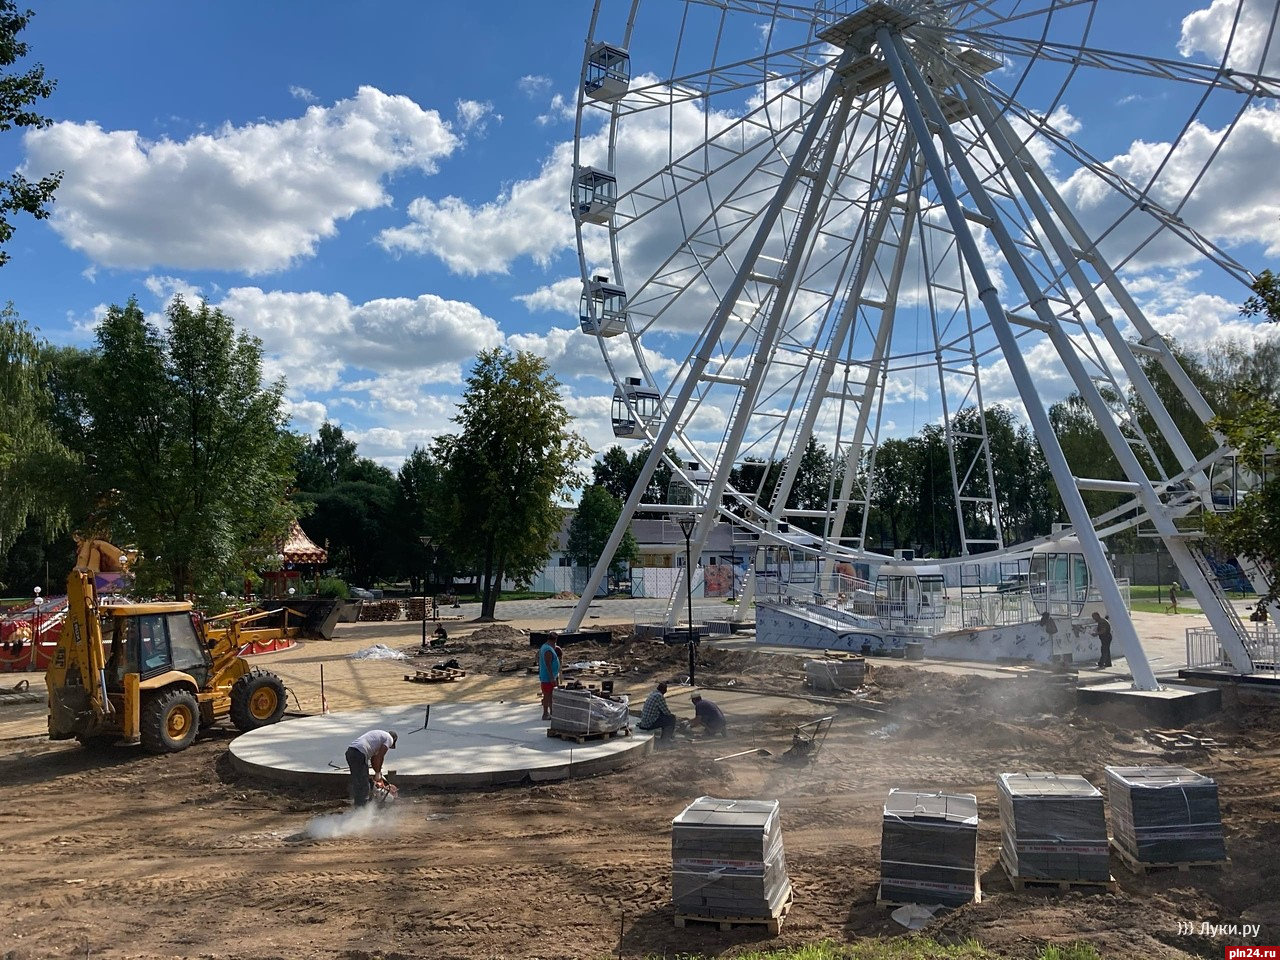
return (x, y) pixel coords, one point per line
(380, 190)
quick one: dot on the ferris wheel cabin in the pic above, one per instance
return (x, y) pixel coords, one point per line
(1060, 581)
(603, 311)
(634, 408)
(595, 195)
(608, 73)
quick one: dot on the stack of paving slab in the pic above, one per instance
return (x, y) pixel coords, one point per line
(1165, 814)
(929, 848)
(583, 712)
(835, 674)
(727, 859)
(1053, 828)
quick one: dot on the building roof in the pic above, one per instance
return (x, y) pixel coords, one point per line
(297, 547)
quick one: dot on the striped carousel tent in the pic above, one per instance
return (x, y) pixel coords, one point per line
(296, 548)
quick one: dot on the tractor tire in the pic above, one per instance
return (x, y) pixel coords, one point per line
(257, 699)
(170, 721)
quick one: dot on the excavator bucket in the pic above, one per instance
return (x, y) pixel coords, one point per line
(320, 614)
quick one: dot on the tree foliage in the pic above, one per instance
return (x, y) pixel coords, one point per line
(617, 473)
(1265, 300)
(190, 445)
(596, 516)
(509, 468)
(33, 461)
(20, 91)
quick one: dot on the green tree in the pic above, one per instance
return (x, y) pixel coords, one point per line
(617, 472)
(34, 463)
(351, 503)
(1252, 529)
(589, 532)
(508, 469)
(189, 441)
(1265, 299)
(422, 511)
(19, 93)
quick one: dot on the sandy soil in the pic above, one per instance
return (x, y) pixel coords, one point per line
(118, 854)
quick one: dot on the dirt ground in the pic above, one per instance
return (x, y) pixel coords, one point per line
(118, 854)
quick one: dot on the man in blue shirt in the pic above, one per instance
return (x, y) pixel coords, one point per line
(548, 673)
(656, 715)
(709, 716)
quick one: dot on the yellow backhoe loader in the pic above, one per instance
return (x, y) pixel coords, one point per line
(154, 673)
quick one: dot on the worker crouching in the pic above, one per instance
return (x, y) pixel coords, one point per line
(708, 716)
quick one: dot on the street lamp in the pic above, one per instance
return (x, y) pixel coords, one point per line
(686, 527)
(35, 622)
(426, 542)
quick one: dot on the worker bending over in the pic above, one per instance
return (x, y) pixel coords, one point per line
(367, 752)
(708, 716)
(656, 715)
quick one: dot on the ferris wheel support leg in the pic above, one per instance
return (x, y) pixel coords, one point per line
(901, 67)
(1190, 571)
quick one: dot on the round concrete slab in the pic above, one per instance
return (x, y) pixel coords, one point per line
(463, 744)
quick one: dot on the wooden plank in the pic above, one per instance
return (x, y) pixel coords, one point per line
(583, 737)
(1143, 867)
(1022, 884)
(435, 675)
(883, 901)
(774, 923)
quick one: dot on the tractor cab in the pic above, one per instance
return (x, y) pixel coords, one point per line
(152, 640)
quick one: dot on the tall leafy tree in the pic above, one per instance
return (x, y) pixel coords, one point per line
(20, 92)
(596, 516)
(33, 461)
(509, 468)
(190, 440)
(327, 460)
(422, 511)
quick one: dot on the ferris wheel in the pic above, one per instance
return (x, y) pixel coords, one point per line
(827, 222)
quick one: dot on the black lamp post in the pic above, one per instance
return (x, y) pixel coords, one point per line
(426, 542)
(435, 610)
(686, 527)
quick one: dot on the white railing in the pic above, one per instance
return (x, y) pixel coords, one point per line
(1261, 641)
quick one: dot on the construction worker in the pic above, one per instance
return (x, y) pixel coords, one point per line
(656, 715)
(548, 673)
(367, 752)
(708, 716)
(1173, 597)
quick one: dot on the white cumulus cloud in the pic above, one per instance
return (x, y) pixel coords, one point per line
(254, 198)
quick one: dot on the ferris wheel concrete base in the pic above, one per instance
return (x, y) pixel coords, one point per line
(445, 745)
(1171, 706)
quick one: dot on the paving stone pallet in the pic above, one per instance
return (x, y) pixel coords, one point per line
(1053, 827)
(1181, 866)
(1165, 814)
(435, 675)
(929, 848)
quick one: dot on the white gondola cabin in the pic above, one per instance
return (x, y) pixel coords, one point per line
(1060, 581)
(634, 407)
(595, 195)
(603, 310)
(608, 73)
(679, 493)
(910, 595)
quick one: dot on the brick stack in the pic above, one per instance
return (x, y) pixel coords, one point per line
(379, 610)
(1053, 828)
(1165, 815)
(833, 674)
(727, 859)
(582, 712)
(929, 848)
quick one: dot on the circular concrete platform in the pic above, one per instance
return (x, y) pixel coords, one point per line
(463, 745)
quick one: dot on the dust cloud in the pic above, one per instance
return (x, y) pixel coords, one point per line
(367, 821)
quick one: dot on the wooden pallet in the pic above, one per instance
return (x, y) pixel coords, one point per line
(774, 923)
(583, 737)
(435, 675)
(1043, 883)
(883, 901)
(1142, 867)
(1180, 740)
(603, 670)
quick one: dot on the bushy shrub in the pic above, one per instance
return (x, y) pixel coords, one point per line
(332, 587)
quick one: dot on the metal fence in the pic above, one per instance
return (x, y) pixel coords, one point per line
(1262, 641)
